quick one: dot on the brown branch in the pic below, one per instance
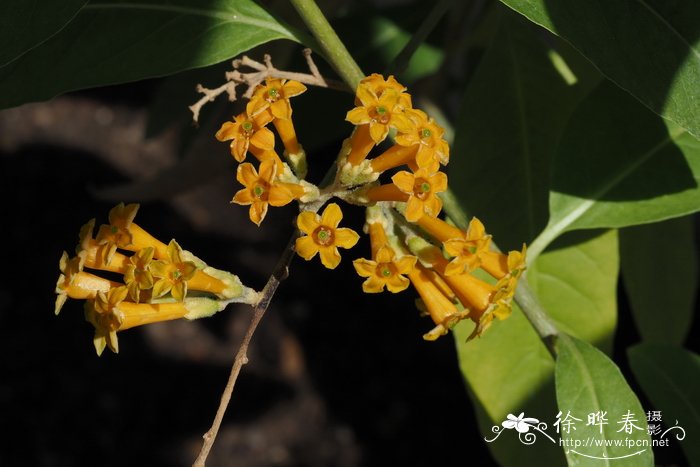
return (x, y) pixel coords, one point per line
(252, 78)
(280, 273)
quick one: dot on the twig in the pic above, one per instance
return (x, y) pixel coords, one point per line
(280, 273)
(261, 71)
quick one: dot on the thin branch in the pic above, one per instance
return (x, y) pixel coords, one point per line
(261, 71)
(280, 273)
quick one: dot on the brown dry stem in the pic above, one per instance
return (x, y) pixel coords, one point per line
(260, 72)
(280, 273)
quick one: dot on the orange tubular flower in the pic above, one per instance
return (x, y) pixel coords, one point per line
(246, 131)
(469, 249)
(275, 95)
(137, 273)
(262, 189)
(428, 136)
(377, 84)
(378, 114)
(73, 282)
(384, 269)
(172, 274)
(323, 236)
(422, 189)
(122, 232)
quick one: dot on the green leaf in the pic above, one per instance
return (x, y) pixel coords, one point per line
(588, 382)
(513, 112)
(670, 377)
(660, 273)
(649, 48)
(24, 24)
(509, 370)
(127, 40)
(618, 165)
(576, 282)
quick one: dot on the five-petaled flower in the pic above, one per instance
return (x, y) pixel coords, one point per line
(245, 131)
(172, 274)
(422, 188)
(385, 270)
(323, 236)
(521, 423)
(263, 189)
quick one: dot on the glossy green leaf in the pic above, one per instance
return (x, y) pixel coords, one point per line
(509, 371)
(660, 273)
(514, 109)
(670, 377)
(649, 48)
(617, 165)
(588, 382)
(118, 41)
(24, 24)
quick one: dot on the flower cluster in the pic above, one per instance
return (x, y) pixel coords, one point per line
(400, 189)
(129, 278)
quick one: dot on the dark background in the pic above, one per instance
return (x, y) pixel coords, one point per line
(336, 377)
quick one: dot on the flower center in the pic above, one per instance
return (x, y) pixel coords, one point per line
(258, 191)
(426, 133)
(273, 94)
(247, 127)
(381, 114)
(422, 188)
(323, 235)
(386, 272)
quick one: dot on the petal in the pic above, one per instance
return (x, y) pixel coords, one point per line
(401, 122)
(256, 105)
(455, 267)
(404, 180)
(373, 285)
(267, 170)
(432, 206)
(378, 131)
(365, 267)
(332, 215)
(243, 197)
(330, 257)
(279, 195)
(438, 182)
(281, 109)
(346, 238)
(99, 342)
(293, 88)
(257, 212)
(306, 247)
(384, 255)
(179, 291)
(246, 174)
(397, 283)
(358, 116)
(414, 209)
(366, 96)
(264, 138)
(476, 229)
(405, 264)
(160, 288)
(226, 132)
(239, 148)
(308, 221)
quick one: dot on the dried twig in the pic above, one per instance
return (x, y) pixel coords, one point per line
(278, 275)
(252, 78)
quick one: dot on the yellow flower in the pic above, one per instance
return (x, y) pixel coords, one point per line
(427, 135)
(105, 316)
(323, 236)
(422, 188)
(122, 232)
(262, 189)
(137, 274)
(377, 84)
(172, 274)
(385, 270)
(75, 283)
(274, 95)
(468, 250)
(379, 112)
(245, 131)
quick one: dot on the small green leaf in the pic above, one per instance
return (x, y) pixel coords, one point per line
(118, 41)
(588, 382)
(670, 377)
(660, 273)
(618, 165)
(24, 24)
(649, 48)
(513, 111)
(509, 370)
